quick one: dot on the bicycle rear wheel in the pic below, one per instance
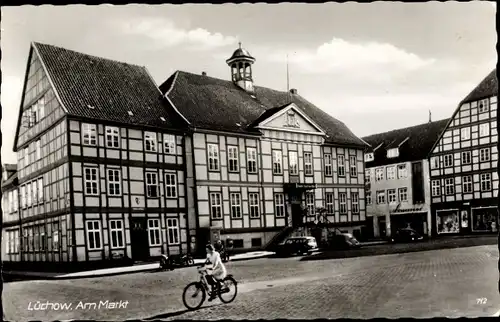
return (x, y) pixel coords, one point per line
(229, 290)
(193, 296)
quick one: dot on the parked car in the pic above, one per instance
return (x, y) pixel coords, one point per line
(343, 241)
(404, 235)
(297, 245)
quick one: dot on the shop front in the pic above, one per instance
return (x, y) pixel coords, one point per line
(414, 220)
(447, 221)
(484, 219)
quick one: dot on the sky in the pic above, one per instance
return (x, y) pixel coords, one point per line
(374, 66)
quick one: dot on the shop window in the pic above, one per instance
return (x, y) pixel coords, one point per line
(484, 219)
(447, 221)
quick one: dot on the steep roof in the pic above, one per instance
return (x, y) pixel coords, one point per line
(112, 88)
(420, 139)
(488, 87)
(212, 103)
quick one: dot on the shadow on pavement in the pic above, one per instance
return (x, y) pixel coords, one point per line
(176, 313)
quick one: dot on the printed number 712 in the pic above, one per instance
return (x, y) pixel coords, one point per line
(482, 300)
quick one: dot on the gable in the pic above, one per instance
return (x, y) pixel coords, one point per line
(291, 119)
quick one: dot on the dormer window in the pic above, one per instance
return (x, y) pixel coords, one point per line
(483, 106)
(369, 157)
(393, 153)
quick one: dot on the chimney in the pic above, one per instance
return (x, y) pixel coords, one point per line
(204, 73)
(293, 91)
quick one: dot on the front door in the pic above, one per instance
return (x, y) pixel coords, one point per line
(139, 238)
(297, 215)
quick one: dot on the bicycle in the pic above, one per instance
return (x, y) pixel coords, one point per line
(202, 287)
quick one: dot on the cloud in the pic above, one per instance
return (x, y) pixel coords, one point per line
(165, 34)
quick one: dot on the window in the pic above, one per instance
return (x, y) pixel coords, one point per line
(94, 234)
(256, 242)
(343, 203)
(55, 236)
(152, 184)
(213, 157)
(235, 199)
(391, 196)
(308, 167)
(328, 165)
(15, 197)
(279, 204)
(355, 202)
(29, 194)
(391, 173)
(40, 190)
(353, 166)
(34, 191)
(150, 141)
(23, 196)
(486, 182)
(467, 184)
(434, 162)
(26, 156)
(310, 204)
(368, 197)
(329, 203)
(89, 133)
(253, 205)
(38, 150)
(403, 194)
(484, 129)
(341, 166)
(448, 160)
(483, 106)
(216, 205)
(484, 155)
(112, 137)
(116, 229)
(379, 174)
(232, 155)
(277, 168)
(466, 157)
(465, 133)
(436, 188)
(252, 160)
(154, 232)
(171, 185)
(380, 197)
(393, 153)
(114, 182)
(369, 157)
(367, 176)
(41, 108)
(90, 181)
(402, 171)
(449, 186)
(169, 143)
(173, 231)
(293, 162)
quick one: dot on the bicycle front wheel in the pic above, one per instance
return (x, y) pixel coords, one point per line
(229, 290)
(193, 296)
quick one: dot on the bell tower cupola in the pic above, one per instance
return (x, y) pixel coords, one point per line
(241, 69)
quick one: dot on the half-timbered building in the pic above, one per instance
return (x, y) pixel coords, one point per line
(463, 165)
(100, 163)
(258, 159)
(10, 212)
(397, 179)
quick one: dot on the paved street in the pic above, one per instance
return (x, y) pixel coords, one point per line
(452, 282)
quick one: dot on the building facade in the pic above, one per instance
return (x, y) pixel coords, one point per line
(463, 166)
(262, 158)
(397, 179)
(10, 211)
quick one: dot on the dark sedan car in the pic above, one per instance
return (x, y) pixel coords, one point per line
(406, 235)
(297, 245)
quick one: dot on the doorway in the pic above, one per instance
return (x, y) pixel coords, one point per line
(139, 239)
(297, 215)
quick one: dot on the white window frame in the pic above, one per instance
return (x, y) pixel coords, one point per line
(308, 164)
(253, 205)
(251, 160)
(328, 165)
(436, 188)
(392, 193)
(355, 203)
(434, 163)
(330, 203)
(150, 142)
(379, 174)
(341, 165)
(23, 197)
(465, 133)
(277, 162)
(26, 156)
(484, 155)
(96, 232)
(235, 205)
(403, 192)
(342, 203)
(112, 136)
(29, 193)
(485, 182)
(369, 157)
(118, 231)
(38, 150)
(40, 190)
(216, 205)
(310, 204)
(169, 144)
(173, 231)
(467, 184)
(484, 129)
(89, 134)
(466, 157)
(213, 157)
(353, 166)
(448, 160)
(154, 231)
(293, 163)
(380, 194)
(114, 182)
(391, 172)
(15, 197)
(368, 174)
(402, 171)
(233, 159)
(368, 197)
(152, 183)
(449, 186)
(40, 104)
(279, 205)
(171, 185)
(89, 182)
(392, 153)
(484, 104)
